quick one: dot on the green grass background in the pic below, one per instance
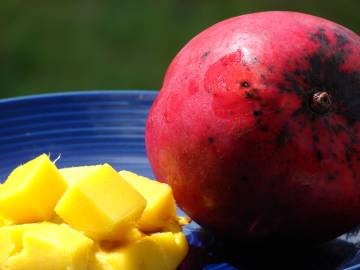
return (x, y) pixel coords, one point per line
(52, 46)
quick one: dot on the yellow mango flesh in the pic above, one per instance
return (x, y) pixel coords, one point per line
(101, 204)
(51, 246)
(113, 209)
(143, 254)
(6, 248)
(10, 242)
(47, 246)
(4, 221)
(160, 208)
(173, 245)
(22, 196)
(163, 251)
(131, 236)
(73, 174)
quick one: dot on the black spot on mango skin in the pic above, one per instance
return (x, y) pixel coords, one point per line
(297, 72)
(348, 156)
(284, 89)
(342, 86)
(349, 161)
(298, 112)
(283, 136)
(321, 37)
(257, 113)
(244, 178)
(205, 55)
(331, 176)
(211, 139)
(341, 40)
(324, 73)
(316, 138)
(338, 129)
(253, 94)
(327, 124)
(271, 69)
(323, 70)
(353, 137)
(351, 121)
(353, 171)
(264, 80)
(263, 128)
(245, 84)
(319, 155)
(249, 95)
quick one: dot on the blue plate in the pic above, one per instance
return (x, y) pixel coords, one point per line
(83, 128)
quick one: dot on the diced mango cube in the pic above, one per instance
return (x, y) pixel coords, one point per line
(7, 244)
(31, 191)
(143, 254)
(6, 247)
(160, 208)
(11, 241)
(163, 251)
(101, 204)
(173, 245)
(5, 221)
(74, 174)
(131, 236)
(46, 246)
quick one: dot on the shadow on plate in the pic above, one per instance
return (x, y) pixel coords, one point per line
(210, 254)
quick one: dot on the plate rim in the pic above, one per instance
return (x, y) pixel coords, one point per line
(75, 93)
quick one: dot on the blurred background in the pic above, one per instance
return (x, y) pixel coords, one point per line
(52, 46)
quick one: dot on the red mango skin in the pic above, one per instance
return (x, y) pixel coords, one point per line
(234, 133)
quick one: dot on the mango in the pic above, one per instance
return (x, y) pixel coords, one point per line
(143, 254)
(160, 208)
(173, 245)
(131, 236)
(74, 174)
(96, 219)
(31, 191)
(163, 251)
(101, 204)
(44, 246)
(10, 241)
(6, 247)
(4, 221)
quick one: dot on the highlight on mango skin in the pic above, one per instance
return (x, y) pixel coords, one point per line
(87, 218)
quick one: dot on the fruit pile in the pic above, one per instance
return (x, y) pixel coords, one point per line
(88, 218)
